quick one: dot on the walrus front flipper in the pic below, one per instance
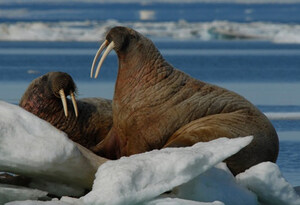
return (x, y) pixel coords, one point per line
(231, 125)
(109, 147)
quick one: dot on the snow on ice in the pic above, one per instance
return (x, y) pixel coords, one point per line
(266, 181)
(144, 176)
(32, 147)
(13, 193)
(191, 175)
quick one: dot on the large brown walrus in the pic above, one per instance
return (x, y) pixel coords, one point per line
(157, 106)
(46, 97)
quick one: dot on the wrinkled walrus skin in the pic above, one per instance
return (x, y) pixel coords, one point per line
(157, 106)
(94, 114)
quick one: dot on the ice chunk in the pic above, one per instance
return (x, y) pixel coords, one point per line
(30, 202)
(177, 201)
(266, 181)
(142, 177)
(62, 201)
(10, 192)
(57, 189)
(283, 115)
(219, 184)
(32, 147)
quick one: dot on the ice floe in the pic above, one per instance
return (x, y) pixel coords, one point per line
(217, 184)
(13, 193)
(192, 175)
(145, 176)
(266, 181)
(32, 147)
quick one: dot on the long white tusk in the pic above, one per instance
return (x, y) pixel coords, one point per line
(74, 103)
(64, 101)
(102, 47)
(107, 51)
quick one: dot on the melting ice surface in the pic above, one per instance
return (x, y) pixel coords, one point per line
(194, 175)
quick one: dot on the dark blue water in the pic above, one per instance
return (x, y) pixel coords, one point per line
(289, 161)
(192, 12)
(217, 61)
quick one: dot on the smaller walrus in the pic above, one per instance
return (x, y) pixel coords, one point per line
(46, 98)
(156, 105)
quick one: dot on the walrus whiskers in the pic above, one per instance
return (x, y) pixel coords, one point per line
(106, 52)
(64, 101)
(74, 103)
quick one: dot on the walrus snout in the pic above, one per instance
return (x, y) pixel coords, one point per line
(118, 38)
(61, 83)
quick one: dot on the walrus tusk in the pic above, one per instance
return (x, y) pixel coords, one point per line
(74, 103)
(64, 101)
(102, 47)
(106, 52)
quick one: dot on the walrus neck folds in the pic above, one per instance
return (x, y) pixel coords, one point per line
(140, 67)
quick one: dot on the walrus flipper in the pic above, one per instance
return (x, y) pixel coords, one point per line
(230, 125)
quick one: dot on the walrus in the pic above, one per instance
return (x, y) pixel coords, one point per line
(87, 125)
(156, 105)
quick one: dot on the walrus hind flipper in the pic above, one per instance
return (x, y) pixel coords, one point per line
(230, 125)
(208, 128)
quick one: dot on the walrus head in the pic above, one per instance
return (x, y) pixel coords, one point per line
(46, 97)
(127, 43)
(51, 86)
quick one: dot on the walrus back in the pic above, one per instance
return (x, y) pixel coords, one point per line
(213, 112)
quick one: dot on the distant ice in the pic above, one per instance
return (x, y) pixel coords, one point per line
(147, 14)
(283, 115)
(96, 30)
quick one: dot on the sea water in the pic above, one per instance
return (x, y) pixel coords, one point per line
(39, 36)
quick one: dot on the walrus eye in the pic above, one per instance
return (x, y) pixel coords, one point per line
(106, 52)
